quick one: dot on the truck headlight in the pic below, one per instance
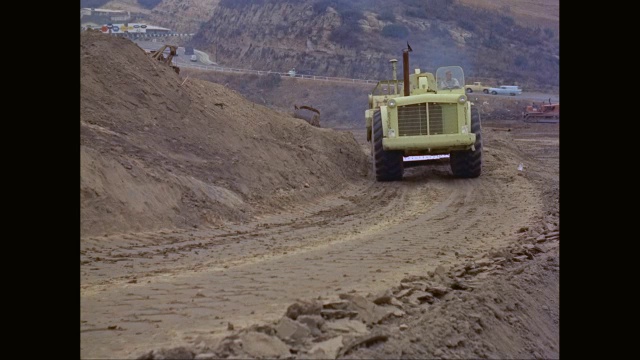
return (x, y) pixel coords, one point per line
(462, 99)
(391, 103)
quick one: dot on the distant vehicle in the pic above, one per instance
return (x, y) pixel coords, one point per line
(477, 86)
(188, 50)
(542, 113)
(505, 90)
(194, 58)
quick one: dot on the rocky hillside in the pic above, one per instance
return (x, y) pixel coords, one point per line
(531, 13)
(496, 41)
(184, 16)
(357, 38)
(188, 15)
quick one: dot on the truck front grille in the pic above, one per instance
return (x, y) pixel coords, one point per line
(422, 119)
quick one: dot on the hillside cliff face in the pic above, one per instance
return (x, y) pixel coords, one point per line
(281, 36)
(495, 41)
(334, 38)
(158, 151)
(183, 16)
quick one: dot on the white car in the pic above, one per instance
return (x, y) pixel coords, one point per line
(505, 90)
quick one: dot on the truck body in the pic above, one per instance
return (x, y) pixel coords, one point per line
(421, 115)
(477, 87)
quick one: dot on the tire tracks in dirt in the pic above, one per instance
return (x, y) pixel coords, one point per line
(173, 286)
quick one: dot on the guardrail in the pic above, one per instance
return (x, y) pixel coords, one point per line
(262, 72)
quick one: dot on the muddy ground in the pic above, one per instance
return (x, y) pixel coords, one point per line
(213, 227)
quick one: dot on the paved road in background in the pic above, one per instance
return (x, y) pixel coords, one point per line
(181, 58)
(206, 64)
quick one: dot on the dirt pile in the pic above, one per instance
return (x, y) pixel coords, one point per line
(162, 151)
(500, 302)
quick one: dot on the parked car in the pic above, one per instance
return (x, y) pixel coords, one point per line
(505, 90)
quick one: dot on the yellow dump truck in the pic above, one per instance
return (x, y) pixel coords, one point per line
(423, 116)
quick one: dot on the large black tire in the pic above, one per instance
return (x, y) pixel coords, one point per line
(468, 163)
(469, 90)
(486, 91)
(387, 165)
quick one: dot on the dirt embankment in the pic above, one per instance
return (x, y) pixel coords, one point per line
(161, 151)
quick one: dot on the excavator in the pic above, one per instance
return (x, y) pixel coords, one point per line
(159, 55)
(308, 114)
(545, 112)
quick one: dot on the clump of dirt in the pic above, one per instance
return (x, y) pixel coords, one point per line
(162, 151)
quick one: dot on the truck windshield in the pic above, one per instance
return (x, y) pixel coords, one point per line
(450, 78)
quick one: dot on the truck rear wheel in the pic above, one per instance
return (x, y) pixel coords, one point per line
(468, 163)
(387, 165)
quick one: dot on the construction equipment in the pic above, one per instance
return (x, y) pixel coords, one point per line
(431, 118)
(159, 55)
(308, 114)
(543, 113)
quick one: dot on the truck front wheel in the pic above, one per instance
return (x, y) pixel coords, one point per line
(387, 165)
(468, 163)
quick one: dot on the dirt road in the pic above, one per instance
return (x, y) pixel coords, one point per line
(216, 227)
(143, 291)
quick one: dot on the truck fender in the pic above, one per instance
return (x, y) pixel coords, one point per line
(385, 120)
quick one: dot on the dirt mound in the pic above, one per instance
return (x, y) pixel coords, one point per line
(162, 151)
